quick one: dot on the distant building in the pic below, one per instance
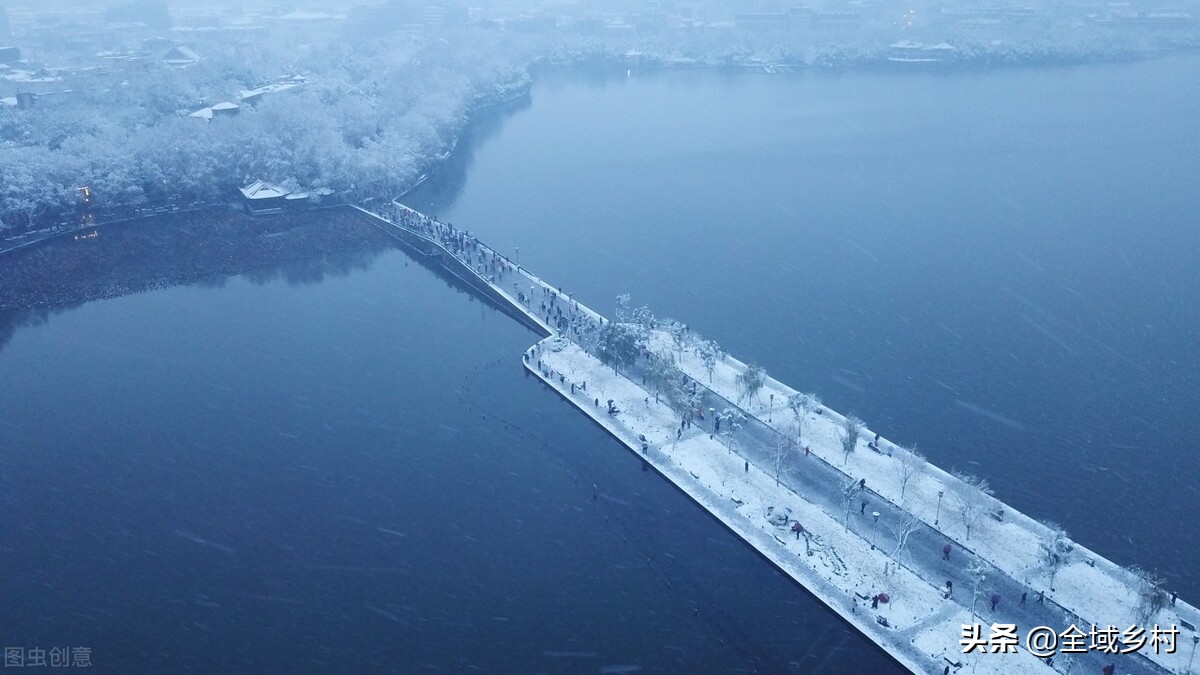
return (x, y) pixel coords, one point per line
(306, 200)
(125, 60)
(181, 56)
(262, 199)
(5, 27)
(909, 51)
(10, 55)
(34, 81)
(222, 109)
(252, 97)
(1158, 20)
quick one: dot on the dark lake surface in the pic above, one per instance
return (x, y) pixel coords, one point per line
(293, 471)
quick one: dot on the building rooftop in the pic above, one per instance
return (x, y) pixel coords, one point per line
(261, 190)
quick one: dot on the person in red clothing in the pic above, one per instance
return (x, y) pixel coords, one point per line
(946, 551)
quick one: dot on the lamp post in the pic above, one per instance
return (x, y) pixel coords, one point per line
(938, 516)
(517, 258)
(1195, 639)
(874, 527)
(771, 410)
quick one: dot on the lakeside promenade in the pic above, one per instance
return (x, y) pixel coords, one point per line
(864, 533)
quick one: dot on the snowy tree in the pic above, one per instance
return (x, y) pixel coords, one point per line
(1055, 547)
(909, 523)
(679, 337)
(851, 430)
(784, 447)
(850, 495)
(685, 400)
(589, 337)
(1152, 598)
(643, 317)
(623, 302)
(709, 352)
(618, 345)
(750, 381)
(801, 405)
(969, 497)
(976, 574)
(660, 374)
(910, 464)
(732, 420)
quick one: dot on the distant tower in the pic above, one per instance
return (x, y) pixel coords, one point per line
(5, 28)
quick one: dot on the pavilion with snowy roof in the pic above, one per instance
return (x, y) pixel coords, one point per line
(224, 108)
(263, 199)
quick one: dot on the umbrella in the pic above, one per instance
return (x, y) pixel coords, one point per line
(883, 597)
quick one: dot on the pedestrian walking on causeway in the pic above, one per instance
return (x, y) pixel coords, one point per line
(1041, 597)
(863, 507)
(946, 551)
(1023, 594)
(949, 588)
(875, 602)
(995, 600)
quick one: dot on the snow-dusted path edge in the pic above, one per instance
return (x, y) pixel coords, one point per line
(719, 506)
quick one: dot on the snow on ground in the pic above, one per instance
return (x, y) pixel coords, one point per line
(829, 560)
(933, 643)
(1100, 594)
(837, 565)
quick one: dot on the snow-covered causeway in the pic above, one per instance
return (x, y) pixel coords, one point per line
(853, 528)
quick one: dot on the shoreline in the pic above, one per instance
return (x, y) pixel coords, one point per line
(513, 91)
